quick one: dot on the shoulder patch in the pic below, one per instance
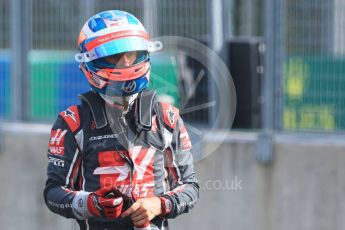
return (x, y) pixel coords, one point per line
(170, 114)
(56, 144)
(71, 117)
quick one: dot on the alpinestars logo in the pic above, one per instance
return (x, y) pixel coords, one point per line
(56, 144)
(171, 115)
(71, 114)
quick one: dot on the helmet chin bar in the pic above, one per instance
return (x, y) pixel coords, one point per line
(124, 102)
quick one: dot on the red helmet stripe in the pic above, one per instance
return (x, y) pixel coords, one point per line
(116, 35)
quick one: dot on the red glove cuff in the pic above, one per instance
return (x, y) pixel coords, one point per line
(165, 206)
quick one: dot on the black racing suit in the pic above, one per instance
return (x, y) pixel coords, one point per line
(88, 151)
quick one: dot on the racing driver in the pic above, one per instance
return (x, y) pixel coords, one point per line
(121, 158)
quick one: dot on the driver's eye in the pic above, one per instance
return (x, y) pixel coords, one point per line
(131, 55)
(114, 59)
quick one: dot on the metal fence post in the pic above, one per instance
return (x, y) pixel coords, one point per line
(150, 20)
(278, 65)
(273, 35)
(87, 10)
(216, 43)
(20, 43)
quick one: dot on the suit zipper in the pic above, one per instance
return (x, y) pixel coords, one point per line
(129, 161)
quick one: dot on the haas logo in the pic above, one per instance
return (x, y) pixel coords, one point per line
(56, 144)
(129, 86)
(115, 170)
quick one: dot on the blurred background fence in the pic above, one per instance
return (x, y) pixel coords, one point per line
(305, 67)
(314, 65)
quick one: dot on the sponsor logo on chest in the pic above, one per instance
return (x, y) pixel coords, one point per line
(102, 137)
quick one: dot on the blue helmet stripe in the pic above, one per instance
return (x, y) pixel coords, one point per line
(97, 24)
(121, 45)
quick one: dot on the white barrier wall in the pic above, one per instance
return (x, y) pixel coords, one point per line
(303, 189)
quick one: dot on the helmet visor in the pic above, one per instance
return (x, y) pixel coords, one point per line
(121, 60)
